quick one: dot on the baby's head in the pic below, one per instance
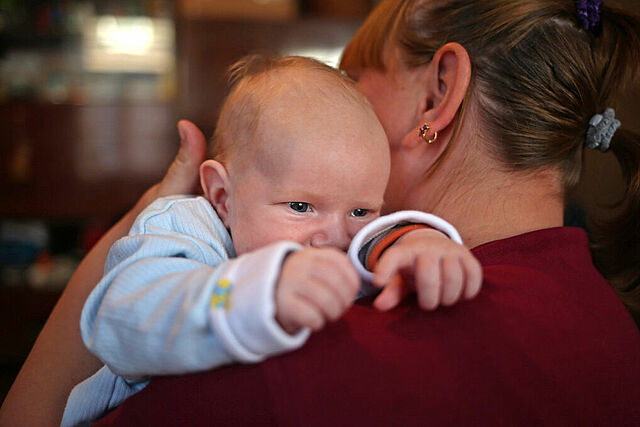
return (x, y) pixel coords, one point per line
(298, 154)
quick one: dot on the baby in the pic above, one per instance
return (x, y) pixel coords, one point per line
(299, 165)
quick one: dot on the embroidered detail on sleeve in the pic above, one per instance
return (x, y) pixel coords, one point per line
(222, 294)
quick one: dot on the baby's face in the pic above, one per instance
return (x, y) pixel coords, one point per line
(315, 181)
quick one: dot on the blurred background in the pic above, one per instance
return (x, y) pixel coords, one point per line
(90, 93)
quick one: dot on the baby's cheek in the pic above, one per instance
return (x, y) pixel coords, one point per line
(357, 225)
(239, 243)
(253, 238)
(244, 240)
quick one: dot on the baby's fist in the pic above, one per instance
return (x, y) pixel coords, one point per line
(316, 285)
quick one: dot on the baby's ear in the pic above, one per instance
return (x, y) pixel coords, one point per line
(214, 179)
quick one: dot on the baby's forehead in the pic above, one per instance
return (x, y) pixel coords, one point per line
(308, 114)
(324, 144)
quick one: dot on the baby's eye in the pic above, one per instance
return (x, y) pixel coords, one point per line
(299, 206)
(359, 212)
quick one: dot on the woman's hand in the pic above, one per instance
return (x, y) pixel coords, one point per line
(427, 262)
(183, 176)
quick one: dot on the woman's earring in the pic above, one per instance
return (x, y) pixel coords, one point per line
(423, 134)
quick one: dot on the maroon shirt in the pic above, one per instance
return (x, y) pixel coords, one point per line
(546, 342)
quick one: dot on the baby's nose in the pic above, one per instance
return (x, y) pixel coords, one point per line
(332, 233)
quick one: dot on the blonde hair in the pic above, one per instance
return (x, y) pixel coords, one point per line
(537, 79)
(256, 79)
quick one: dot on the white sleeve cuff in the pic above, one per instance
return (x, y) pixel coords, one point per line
(382, 224)
(243, 305)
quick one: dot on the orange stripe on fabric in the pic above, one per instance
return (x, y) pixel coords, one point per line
(387, 241)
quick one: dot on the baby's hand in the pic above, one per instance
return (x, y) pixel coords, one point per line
(316, 285)
(426, 261)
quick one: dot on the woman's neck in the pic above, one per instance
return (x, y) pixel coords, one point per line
(501, 205)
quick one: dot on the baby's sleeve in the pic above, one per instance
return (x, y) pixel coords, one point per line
(381, 232)
(173, 301)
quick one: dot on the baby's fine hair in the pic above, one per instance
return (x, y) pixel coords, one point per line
(256, 80)
(538, 76)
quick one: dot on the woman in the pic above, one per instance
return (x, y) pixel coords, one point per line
(487, 106)
(509, 89)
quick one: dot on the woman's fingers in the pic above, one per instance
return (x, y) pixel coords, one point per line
(183, 174)
(194, 142)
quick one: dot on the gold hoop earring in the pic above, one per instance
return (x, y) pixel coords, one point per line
(423, 134)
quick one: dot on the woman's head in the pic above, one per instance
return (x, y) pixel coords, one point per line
(537, 75)
(536, 78)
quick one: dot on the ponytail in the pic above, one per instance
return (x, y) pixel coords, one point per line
(616, 240)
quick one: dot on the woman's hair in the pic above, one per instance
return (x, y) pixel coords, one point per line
(256, 80)
(537, 79)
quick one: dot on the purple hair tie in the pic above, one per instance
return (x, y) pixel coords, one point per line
(589, 13)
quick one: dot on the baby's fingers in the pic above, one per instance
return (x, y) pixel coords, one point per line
(391, 263)
(473, 274)
(428, 282)
(392, 294)
(299, 313)
(324, 298)
(337, 274)
(452, 280)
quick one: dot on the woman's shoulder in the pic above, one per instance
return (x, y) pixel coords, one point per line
(547, 278)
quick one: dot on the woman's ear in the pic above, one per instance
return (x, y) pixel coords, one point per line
(443, 86)
(216, 184)
(448, 77)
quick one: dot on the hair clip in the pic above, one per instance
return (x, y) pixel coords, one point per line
(589, 13)
(601, 130)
